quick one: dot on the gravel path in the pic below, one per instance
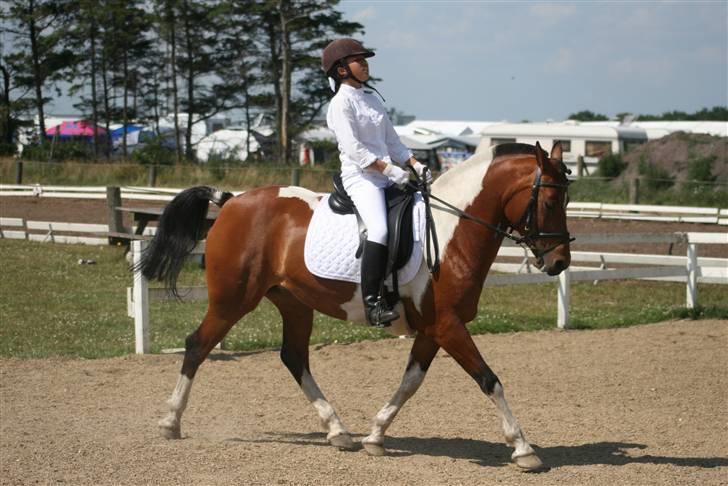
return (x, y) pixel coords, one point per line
(636, 406)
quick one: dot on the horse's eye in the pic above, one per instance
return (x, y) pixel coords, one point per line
(550, 203)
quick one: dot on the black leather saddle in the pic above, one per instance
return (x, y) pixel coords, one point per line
(400, 239)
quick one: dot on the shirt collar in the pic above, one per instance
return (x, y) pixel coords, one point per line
(345, 88)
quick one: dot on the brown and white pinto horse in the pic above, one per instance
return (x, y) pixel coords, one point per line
(255, 249)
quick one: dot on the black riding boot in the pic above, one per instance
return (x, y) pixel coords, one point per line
(373, 266)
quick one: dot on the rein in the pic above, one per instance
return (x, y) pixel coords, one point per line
(528, 220)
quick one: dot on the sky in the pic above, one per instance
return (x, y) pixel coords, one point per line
(538, 60)
(529, 60)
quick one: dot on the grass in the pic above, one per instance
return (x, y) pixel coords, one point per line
(52, 306)
(232, 178)
(236, 178)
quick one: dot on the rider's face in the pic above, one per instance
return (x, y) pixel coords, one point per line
(359, 67)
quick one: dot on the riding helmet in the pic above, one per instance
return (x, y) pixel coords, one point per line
(341, 49)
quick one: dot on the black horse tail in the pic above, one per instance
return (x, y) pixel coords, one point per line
(181, 226)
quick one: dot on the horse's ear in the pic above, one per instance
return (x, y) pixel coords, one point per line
(539, 155)
(557, 152)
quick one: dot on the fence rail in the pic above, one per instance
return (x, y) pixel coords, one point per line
(636, 212)
(689, 269)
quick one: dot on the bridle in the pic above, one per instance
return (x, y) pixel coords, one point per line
(528, 221)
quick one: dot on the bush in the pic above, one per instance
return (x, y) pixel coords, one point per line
(59, 151)
(656, 178)
(7, 149)
(701, 170)
(611, 165)
(154, 153)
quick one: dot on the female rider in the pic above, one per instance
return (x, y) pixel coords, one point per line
(371, 157)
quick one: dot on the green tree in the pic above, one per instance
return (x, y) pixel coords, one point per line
(40, 59)
(717, 113)
(15, 104)
(293, 34)
(586, 115)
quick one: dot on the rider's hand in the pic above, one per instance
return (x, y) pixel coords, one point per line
(423, 171)
(396, 174)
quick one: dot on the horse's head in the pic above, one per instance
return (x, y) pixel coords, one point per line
(537, 210)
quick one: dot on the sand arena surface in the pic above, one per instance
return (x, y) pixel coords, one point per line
(635, 406)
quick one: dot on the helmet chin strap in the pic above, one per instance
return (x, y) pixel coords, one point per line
(351, 75)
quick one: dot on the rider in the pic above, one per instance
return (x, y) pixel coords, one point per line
(371, 157)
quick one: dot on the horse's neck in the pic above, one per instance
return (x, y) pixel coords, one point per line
(461, 187)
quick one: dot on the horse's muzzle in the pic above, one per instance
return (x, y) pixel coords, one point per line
(556, 261)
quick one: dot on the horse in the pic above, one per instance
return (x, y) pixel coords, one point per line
(255, 249)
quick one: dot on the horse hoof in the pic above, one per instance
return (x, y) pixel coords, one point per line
(530, 463)
(169, 431)
(374, 449)
(342, 442)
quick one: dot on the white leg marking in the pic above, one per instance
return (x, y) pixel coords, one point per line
(170, 424)
(511, 428)
(355, 307)
(329, 419)
(411, 381)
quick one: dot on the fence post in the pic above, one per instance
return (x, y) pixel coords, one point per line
(113, 215)
(141, 300)
(18, 171)
(580, 166)
(296, 177)
(562, 319)
(152, 176)
(692, 267)
(634, 190)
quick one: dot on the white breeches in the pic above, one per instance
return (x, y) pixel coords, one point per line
(369, 201)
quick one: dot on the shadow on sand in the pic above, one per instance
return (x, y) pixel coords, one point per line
(496, 455)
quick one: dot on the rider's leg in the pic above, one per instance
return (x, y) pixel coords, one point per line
(370, 203)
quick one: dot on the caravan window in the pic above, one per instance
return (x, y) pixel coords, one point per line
(499, 141)
(597, 149)
(565, 145)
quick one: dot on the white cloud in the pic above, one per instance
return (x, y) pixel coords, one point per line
(561, 63)
(552, 13)
(630, 68)
(363, 15)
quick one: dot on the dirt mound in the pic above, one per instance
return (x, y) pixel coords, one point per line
(675, 153)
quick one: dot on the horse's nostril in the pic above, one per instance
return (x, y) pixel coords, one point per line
(557, 267)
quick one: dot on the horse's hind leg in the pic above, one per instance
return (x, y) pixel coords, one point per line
(297, 325)
(423, 351)
(223, 312)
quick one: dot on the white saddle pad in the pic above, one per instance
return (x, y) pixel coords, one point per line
(332, 241)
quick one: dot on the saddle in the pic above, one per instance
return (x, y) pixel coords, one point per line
(400, 239)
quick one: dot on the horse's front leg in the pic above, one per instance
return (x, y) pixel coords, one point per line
(423, 351)
(454, 338)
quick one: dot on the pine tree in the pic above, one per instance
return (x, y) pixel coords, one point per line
(38, 26)
(294, 32)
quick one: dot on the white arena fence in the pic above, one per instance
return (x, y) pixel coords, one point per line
(689, 269)
(642, 212)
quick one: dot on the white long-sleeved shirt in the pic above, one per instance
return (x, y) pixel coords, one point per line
(364, 133)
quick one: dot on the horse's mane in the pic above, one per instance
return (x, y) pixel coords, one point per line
(514, 148)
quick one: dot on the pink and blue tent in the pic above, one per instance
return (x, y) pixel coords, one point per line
(74, 129)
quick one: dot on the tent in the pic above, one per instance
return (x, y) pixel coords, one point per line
(227, 142)
(74, 129)
(132, 135)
